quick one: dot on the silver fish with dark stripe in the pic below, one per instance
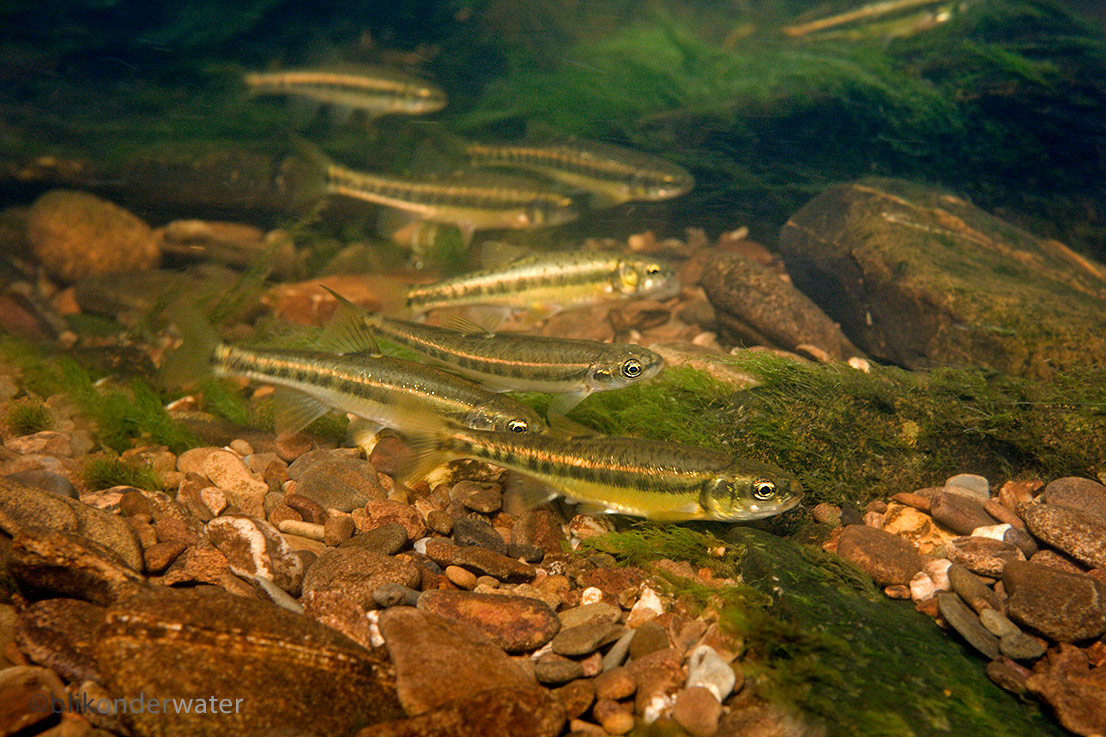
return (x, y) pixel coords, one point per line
(375, 90)
(543, 284)
(612, 174)
(645, 478)
(567, 367)
(473, 202)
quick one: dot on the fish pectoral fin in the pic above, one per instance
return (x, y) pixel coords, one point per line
(562, 404)
(362, 432)
(594, 510)
(497, 254)
(464, 325)
(293, 410)
(562, 425)
(348, 331)
(526, 492)
(605, 200)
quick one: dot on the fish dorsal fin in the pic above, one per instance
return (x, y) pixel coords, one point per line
(525, 492)
(293, 410)
(561, 425)
(348, 331)
(462, 324)
(497, 254)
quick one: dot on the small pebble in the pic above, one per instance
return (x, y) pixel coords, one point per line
(461, 577)
(591, 595)
(922, 587)
(617, 653)
(648, 606)
(303, 529)
(615, 684)
(1020, 646)
(697, 711)
(827, 514)
(555, 669)
(394, 594)
(706, 668)
(616, 718)
(970, 485)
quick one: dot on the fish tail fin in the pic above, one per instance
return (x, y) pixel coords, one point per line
(192, 360)
(309, 174)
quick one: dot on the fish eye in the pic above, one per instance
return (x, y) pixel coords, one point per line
(764, 489)
(631, 369)
(517, 426)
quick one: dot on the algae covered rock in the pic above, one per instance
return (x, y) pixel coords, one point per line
(74, 234)
(921, 278)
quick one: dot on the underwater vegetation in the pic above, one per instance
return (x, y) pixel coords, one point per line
(28, 418)
(104, 473)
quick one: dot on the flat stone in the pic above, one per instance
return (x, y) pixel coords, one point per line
(576, 696)
(386, 539)
(1075, 692)
(588, 613)
(1022, 540)
(337, 482)
(553, 669)
(1020, 646)
(1072, 492)
(616, 684)
(480, 496)
(541, 528)
(661, 673)
(972, 485)
(515, 623)
(338, 528)
(585, 638)
(308, 509)
(982, 555)
(1008, 675)
(1073, 531)
(649, 638)
(972, 589)
(160, 556)
(64, 564)
(1003, 513)
(1066, 607)
(254, 548)
(1052, 559)
(357, 572)
(613, 580)
(22, 689)
(478, 532)
(997, 623)
(964, 621)
(45, 480)
(244, 489)
(887, 558)
(490, 563)
(959, 513)
(278, 669)
(61, 634)
(438, 660)
(500, 712)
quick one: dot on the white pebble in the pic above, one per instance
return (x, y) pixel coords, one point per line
(546, 648)
(860, 364)
(995, 532)
(648, 606)
(658, 706)
(591, 595)
(922, 587)
(376, 638)
(420, 545)
(706, 668)
(938, 571)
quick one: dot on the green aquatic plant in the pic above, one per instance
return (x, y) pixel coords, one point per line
(104, 473)
(27, 418)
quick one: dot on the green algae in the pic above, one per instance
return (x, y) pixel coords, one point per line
(104, 473)
(27, 418)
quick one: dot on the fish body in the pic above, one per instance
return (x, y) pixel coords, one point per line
(611, 174)
(375, 90)
(373, 387)
(547, 283)
(634, 476)
(471, 203)
(568, 367)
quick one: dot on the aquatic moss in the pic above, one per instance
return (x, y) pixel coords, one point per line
(105, 473)
(27, 418)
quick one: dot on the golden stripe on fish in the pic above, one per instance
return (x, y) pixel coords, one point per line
(376, 90)
(611, 173)
(550, 282)
(374, 387)
(646, 478)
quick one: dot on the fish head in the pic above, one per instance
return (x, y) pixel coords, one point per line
(640, 277)
(748, 491)
(504, 414)
(423, 99)
(671, 182)
(624, 366)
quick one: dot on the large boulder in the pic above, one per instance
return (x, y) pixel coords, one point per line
(919, 277)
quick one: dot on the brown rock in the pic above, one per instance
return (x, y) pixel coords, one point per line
(885, 557)
(243, 488)
(697, 711)
(308, 509)
(161, 555)
(515, 623)
(973, 590)
(1075, 692)
(279, 670)
(1077, 533)
(1072, 492)
(552, 669)
(335, 481)
(576, 697)
(616, 684)
(386, 512)
(61, 634)
(984, 556)
(959, 513)
(24, 692)
(613, 581)
(339, 612)
(74, 234)
(490, 563)
(357, 572)
(437, 660)
(64, 564)
(500, 712)
(915, 525)
(253, 547)
(1065, 607)
(659, 672)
